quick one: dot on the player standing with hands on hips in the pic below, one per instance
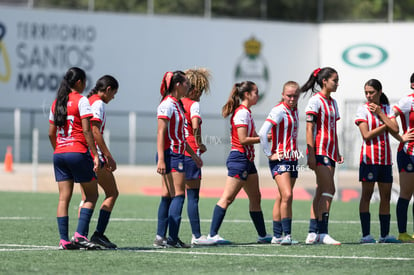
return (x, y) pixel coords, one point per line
(70, 135)
(171, 145)
(322, 149)
(283, 122)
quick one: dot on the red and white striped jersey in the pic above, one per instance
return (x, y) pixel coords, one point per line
(376, 150)
(284, 131)
(70, 138)
(98, 111)
(325, 133)
(242, 117)
(192, 110)
(406, 109)
(170, 109)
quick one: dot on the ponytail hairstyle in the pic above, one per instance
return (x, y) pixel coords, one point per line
(237, 94)
(169, 81)
(376, 84)
(103, 83)
(317, 77)
(199, 80)
(72, 76)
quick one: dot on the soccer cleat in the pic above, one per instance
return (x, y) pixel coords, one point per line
(287, 240)
(102, 240)
(160, 242)
(276, 240)
(326, 239)
(405, 238)
(367, 239)
(388, 239)
(67, 245)
(218, 240)
(265, 239)
(176, 243)
(202, 240)
(83, 242)
(311, 238)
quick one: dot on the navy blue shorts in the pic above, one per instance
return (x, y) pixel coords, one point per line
(278, 167)
(375, 173)
(192, 172)
(238, 166)
(173, 162)
(324, 160)
(73, 166)
(405, 162)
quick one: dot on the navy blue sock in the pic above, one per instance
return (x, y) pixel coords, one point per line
(174, 216)
(277, 229)
(323, 224)
(192, 211)
(103, 221)
(313, 226)
(384, 224)
(83, 221)
(365, 218)
(218, 216)
(63, 226)
(402, 208)
(162, 224)
(258, 221)
(287, 226)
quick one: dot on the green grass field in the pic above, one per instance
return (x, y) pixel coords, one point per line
(29, 238)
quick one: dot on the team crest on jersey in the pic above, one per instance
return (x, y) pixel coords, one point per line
(325, 160)
(370, 176)
(409, 167)
(180, 166)
(244, 174)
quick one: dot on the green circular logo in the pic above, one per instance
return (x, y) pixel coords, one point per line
(364, 56)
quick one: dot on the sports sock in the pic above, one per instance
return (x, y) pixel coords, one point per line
(218, 216)
(174, 216)
(103, 221)
(83, 221)
(384, 224)
(313, 226)
(365, 218)
(287, 226)
(192, 211)
(277, 229)
(323, 224)
(63, 226)
(258, 221)
(402, 208)
(162, 224)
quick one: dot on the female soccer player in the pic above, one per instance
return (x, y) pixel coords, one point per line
(70, 135)
(374, 122)
(199, 83)
(283, 123)
(242, 172)
(405, 160)
(322, 146)
(104, 91)
(171, 145)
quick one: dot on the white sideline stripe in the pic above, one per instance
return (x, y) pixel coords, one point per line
(23, 247)
(279, 255)
(186, 220)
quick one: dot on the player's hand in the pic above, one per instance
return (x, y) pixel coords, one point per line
(203, 148)
(341, 159)
(110, 163)
(96, 163)
(161, 169)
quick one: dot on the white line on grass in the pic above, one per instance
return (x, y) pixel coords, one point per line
(24, 247)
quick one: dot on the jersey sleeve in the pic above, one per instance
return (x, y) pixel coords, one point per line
(84, 107)
(313, 106)
(98, 110)
(404, 105)
(241, 118)
(195, 110)
(275, 115)
(361, 115)
(164, 110)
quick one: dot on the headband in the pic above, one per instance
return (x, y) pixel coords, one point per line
(167, 78)
(316, 72)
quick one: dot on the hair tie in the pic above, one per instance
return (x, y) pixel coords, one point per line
(316, 72)
(167, 78)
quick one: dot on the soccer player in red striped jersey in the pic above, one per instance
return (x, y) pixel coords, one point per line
(70, 136)
(171, 145)
(241, 170)
(405, 159)
(374, 122)
(283, 123)
(322, 149)
(199, 81)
